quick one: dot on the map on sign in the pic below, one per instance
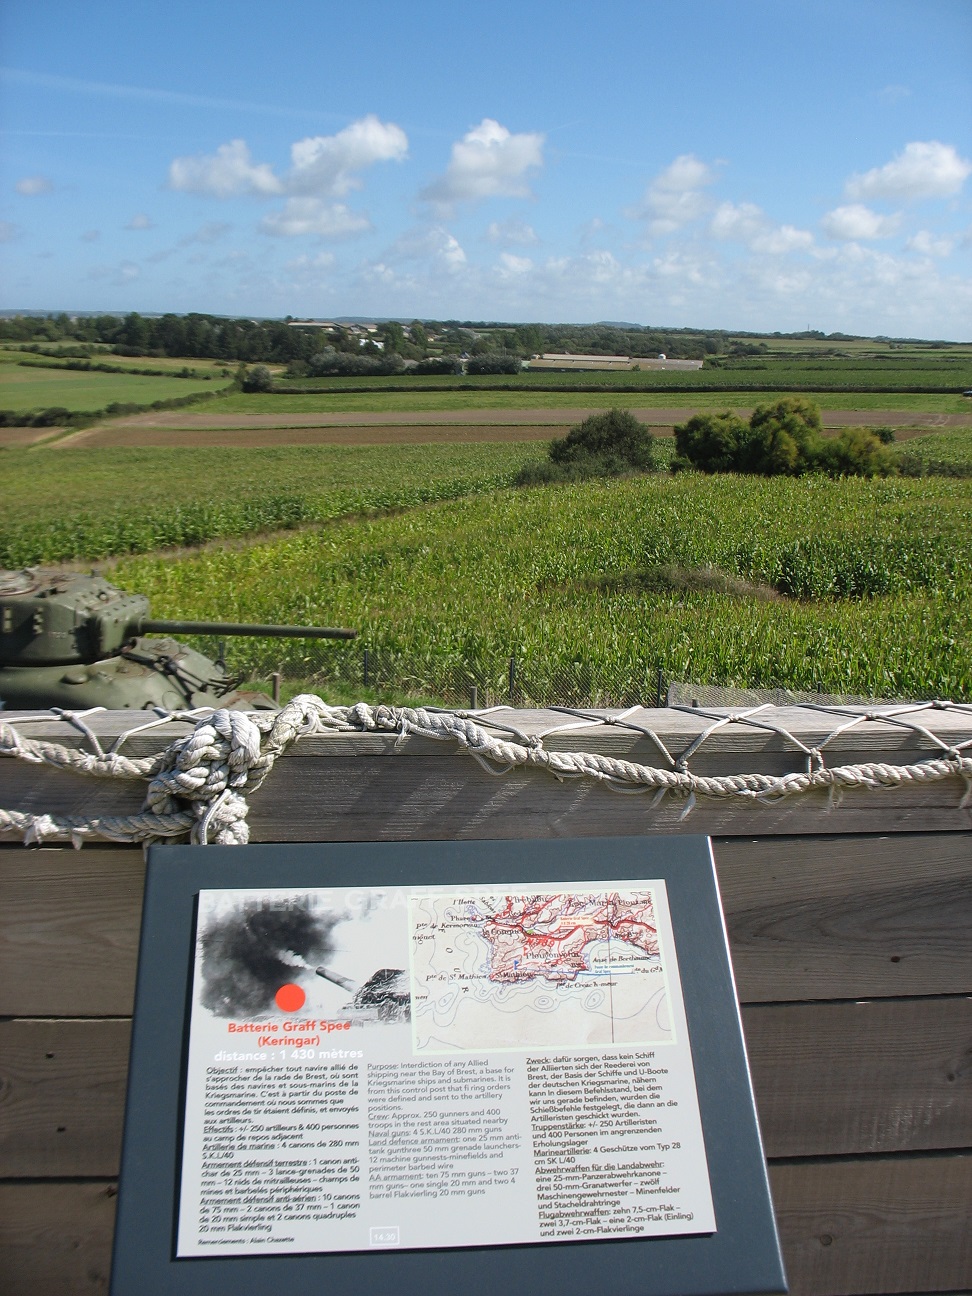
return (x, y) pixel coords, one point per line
(553, 969)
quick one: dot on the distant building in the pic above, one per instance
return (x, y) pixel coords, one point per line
(564, 362)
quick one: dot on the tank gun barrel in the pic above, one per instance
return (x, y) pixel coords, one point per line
(150, 625)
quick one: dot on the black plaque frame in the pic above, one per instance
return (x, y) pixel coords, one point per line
(743, 1255)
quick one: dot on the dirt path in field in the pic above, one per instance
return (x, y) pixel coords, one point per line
(177, 429)
(26, 436)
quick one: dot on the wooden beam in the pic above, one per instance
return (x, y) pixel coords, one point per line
(55, 1238)
(829, 1079)
(895, 1224)
(848, 917)
(808, 917)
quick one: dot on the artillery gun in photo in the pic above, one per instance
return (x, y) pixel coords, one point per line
(76, 641)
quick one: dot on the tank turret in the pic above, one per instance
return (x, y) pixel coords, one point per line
(76, 641)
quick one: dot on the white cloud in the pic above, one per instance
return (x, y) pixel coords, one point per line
(314, 216)
(433, 244)
(227, 173)
(675, 197)
(91, 236)
(858, 222)
(928, 244)
(739, 222)
(514, 265)
(8, 231)
(31, 186)
(747, 223)
(324, 165)
(922, 170)
(488, 162)
(781, 240)
(512, 233)
(140, 221)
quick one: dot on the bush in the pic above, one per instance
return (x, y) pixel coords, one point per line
(856, 452)
(331, 363)
(447, 364)
(784, 438)
(604, 445)
(497, 363)
(258, 379)
(781, 438)
(615, 433)
(711, 441)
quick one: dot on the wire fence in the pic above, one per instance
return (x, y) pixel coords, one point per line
(351, 671)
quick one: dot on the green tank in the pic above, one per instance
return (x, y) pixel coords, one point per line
(75, 641)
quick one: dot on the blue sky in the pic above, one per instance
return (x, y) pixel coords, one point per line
(752, 164)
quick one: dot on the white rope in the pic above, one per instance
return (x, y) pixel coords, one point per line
(198, 784)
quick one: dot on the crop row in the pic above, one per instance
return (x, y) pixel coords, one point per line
(854, 586)
(62, 504)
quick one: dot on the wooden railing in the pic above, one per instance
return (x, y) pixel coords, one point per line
(850, 932)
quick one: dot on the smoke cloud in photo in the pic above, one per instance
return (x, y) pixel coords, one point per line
(250, 952)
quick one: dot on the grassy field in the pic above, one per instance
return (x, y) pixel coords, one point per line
(852, 586)
(349, 401)
(23, 388)
(64, 504)
(896, 370)
(12, 354)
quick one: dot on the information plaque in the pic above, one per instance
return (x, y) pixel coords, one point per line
(437, 1067)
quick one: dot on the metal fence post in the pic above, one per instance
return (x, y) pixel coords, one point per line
(658, 688)
(512, 676)
(365, 681)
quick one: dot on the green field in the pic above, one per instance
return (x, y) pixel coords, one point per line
(64, 504)
(349, 401)
(23, 388)
(12, 354)
(850, 586)
(896, 370)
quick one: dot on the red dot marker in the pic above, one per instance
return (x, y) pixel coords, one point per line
(290, 997)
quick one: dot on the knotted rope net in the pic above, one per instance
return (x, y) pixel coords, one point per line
(197, 786)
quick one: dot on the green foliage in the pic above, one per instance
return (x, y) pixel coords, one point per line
(615, 433)
(710, 442)
(781, 439)
(604, 445)
(939, 454)
(497, 362)
(445, 364)
(258, 379)
(63, 504)
(873, 581)
(343, 363)
(856, 452)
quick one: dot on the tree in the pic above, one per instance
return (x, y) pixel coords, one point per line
(782, 437)
(711, 441)
(258, 379)
(393, 335)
